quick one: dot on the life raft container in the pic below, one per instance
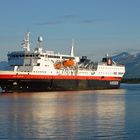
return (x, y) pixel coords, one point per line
(68, 63)
(58, 65)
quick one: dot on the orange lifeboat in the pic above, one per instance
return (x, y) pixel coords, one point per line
(68, 63)
(58, 65)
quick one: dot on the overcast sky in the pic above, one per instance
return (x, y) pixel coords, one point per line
(97, 26)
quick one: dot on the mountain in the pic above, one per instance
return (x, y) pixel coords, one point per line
(3, 65)
(131, 62)
(120, 56)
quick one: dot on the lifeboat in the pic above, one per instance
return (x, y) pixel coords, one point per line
(58, 65)
(68, 63)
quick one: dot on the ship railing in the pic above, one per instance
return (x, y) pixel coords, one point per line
(88, 65)
(120, 64)
(113, 64)
(49, 52)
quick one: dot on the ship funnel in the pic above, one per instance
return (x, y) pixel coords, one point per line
(72, 48)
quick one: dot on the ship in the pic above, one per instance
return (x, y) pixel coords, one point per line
(41, 70)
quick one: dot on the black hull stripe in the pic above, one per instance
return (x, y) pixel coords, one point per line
(55, 85)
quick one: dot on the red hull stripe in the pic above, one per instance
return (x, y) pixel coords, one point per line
(41, 77)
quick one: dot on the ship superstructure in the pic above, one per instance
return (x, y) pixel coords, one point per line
(41, 70)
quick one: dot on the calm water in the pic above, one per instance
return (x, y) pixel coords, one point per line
(99, 114)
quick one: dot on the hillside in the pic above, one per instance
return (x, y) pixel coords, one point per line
(131, 62)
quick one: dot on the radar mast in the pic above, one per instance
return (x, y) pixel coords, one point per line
(26, 42)
(40, 40)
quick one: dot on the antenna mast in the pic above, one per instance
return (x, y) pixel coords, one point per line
(72, 48)
(26, 42)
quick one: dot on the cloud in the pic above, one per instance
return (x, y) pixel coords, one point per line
(59, 20)
(68, 18)
(49, 23)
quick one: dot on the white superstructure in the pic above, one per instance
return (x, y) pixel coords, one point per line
(50, 63)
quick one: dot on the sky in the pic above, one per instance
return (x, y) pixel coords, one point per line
(97, 26)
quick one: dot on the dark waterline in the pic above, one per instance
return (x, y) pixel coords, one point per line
(98, 114)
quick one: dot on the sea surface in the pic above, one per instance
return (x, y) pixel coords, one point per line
(72, 115)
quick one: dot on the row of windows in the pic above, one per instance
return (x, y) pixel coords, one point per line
(37, 55)
(53, 56)
(39, 71)
(67, 57)
(105, 73)
(36, 71)
(22, 55)
(119, 73)
(111, 68)
(83, 72)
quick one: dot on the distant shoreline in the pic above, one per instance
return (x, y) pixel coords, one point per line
(131, 80)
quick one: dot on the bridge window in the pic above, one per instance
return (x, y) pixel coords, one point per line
(53, 56)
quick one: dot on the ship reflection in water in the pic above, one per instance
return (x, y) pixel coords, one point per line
(99, 114)
(64, 115)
